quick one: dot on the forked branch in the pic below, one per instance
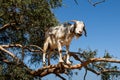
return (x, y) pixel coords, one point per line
(58, 68)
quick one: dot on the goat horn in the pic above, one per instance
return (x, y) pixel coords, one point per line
(74, 21)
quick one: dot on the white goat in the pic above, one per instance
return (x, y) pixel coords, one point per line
(59, 36)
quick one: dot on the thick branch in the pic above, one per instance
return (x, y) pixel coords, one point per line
(55, 68)
(59, 68)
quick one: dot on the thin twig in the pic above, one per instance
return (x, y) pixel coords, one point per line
(60, 76)
(95, 3)
(85, 74)
(76, 2)
(6, 26)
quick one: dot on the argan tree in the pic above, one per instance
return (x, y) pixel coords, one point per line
(22, 27)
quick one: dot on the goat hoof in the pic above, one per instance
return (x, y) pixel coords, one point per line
(44, 63)
(69, 63)
(60, 62)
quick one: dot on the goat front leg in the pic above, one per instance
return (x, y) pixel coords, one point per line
(44, 53)
(68, 55)
(49, 56)
(60, 52)
(44, 63)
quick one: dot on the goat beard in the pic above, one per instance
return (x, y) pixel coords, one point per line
(77, 35)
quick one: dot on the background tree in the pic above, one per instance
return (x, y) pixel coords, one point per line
(24, 22)
(22, 27)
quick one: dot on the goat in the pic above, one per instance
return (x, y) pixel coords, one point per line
(59, 36)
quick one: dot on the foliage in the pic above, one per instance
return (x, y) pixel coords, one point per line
(28, 20)
(14, 73)
(25, 22)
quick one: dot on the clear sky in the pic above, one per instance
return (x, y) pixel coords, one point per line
(102, 24)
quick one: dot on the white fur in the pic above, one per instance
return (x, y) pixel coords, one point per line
(59, 36)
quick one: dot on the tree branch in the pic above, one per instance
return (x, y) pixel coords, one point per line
(56, 68)
(25, 47)
(85, 74)
(105, 71)
(6, 26)
(6, 61)
(92, 70)
(8, 52)
(60, 76)
(95, 3)
(105, 60)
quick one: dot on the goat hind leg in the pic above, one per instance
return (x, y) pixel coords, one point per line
(60, 52)
(44, 62)
(68, 55)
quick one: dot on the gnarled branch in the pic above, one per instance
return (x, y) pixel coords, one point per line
(58, 68)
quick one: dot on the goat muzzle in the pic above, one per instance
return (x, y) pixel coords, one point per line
(78, 34)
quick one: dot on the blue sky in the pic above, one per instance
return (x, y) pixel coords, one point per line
(102, 24)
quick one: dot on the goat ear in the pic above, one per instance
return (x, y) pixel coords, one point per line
(75, 25)
(73, 28)
(85, 32)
